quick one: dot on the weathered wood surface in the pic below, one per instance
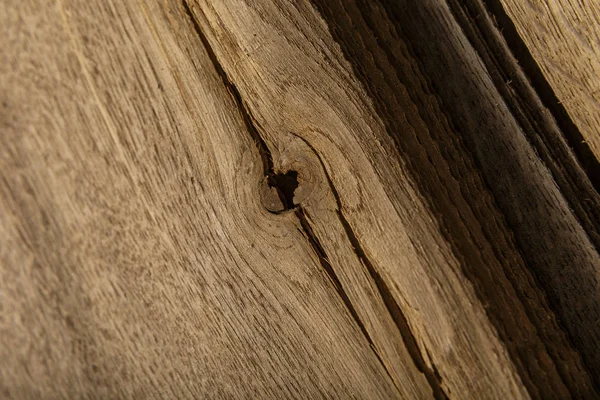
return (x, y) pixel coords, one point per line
(545, 191)
(137, 259)
(563, 37)
(274, 199)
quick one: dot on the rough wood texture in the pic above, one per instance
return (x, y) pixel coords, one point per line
(547, 197)
(275, 199)
(563, 38)
(484, 134)
(136, 258)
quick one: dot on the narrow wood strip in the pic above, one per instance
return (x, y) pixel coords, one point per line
(563, 38)
(539, 82)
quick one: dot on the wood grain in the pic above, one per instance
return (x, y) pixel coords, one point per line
(485, 134)
(522, 151)
(137, 260)
(273, 199)
(563, 38)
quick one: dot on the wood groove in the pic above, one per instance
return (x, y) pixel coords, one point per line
(543, 134)
(392, 307)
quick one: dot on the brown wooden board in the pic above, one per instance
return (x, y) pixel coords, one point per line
(292, 199)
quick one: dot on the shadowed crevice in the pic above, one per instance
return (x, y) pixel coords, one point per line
(286, 184)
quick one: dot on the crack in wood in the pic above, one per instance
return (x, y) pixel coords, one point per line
(276, 180)
(286, 184)
(249, 121)
(312, 238)
(432, 376)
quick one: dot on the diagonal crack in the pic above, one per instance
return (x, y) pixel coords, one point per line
(283, 183)
(308, 232)
(432, 376)
(395, 311)
(249, 121)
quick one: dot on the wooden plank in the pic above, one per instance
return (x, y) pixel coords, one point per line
(255, 67)
(274, 199)
(282, 82)
(136, 257)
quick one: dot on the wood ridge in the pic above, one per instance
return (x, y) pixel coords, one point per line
(525, 90)
(541, 86)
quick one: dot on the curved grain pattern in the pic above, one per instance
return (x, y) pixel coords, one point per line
(344, 130)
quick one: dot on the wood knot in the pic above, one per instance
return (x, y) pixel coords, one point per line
(284, 191)
(277, 191)
(293, 177)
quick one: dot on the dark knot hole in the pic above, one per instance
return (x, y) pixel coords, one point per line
(285, 184)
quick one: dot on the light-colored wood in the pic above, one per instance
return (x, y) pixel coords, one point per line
(147, 250)
(136, 258)
(563, 37)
